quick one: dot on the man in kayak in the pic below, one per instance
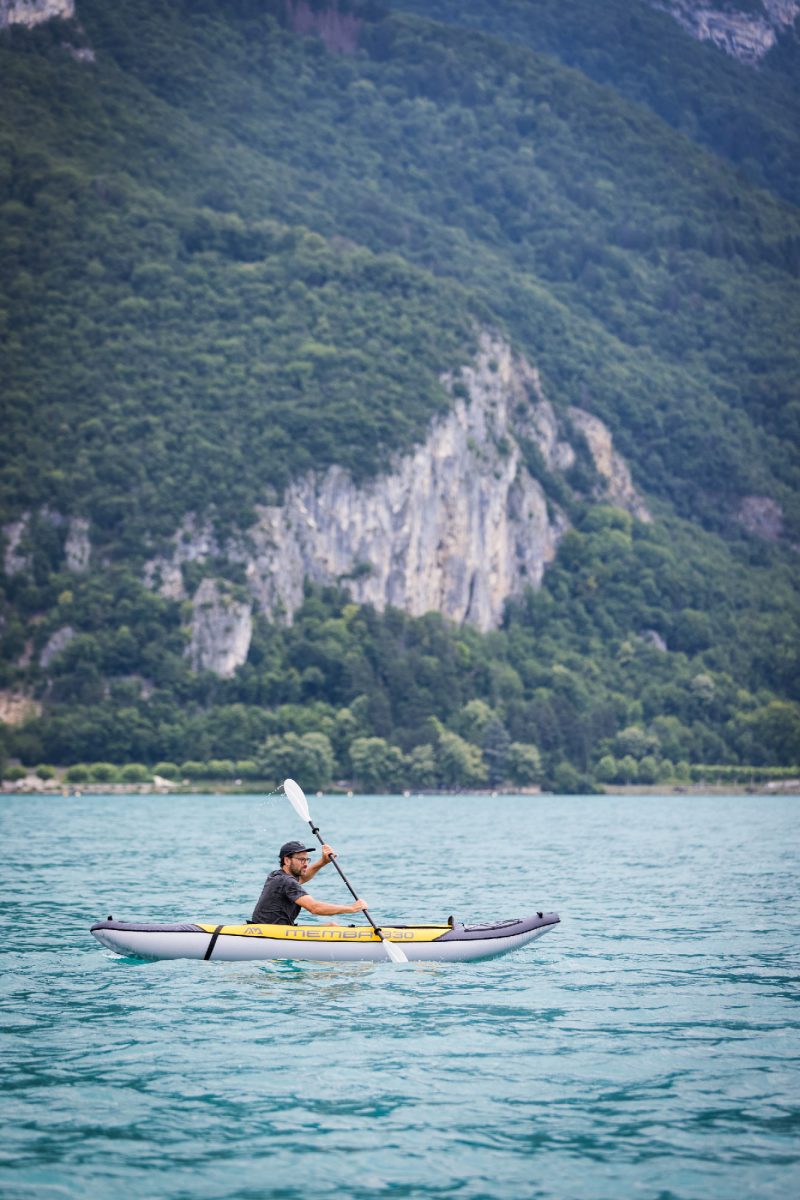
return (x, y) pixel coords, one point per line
(282, 896)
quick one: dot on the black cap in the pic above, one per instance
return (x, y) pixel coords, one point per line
(290, 848)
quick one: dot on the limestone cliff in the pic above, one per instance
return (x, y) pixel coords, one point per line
(747, 36)
(615, 485)
(17, 556)
(57, 642)
(456, 526)
(77, 547)
(222, 626)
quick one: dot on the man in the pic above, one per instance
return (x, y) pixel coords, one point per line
(282, 897)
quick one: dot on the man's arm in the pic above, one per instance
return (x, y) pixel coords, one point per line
(327, 855)
(320, 908)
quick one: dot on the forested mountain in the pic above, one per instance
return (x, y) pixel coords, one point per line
(743, 114)
(246, 241)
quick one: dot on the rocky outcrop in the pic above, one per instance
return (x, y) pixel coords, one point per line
(193, 543)
(15, 558)
(746, 36)
(456, 526)
(17, 707)
(82, 54)
(57, 642)
(34, 12)
(761, 516)
(338, 30)
(77, 547)
(615, 484)
(222, 627)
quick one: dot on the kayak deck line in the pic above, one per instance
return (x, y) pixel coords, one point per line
(451, 942)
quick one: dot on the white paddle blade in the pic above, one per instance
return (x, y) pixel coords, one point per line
(297, 798)
(394, 952)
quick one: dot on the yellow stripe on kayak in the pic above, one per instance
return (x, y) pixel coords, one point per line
(331, 933)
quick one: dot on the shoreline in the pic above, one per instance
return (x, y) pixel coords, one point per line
(785, 787)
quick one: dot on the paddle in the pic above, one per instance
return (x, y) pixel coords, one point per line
(297, 799)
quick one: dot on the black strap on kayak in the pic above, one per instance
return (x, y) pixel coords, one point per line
(212, 943)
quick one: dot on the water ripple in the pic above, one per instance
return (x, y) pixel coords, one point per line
(646, 1047)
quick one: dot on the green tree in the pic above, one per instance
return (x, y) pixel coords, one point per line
(135, 773)
(376, 764)
(567, 781)
(608, 769)
(770, 734)
(648, 769)
(101, 772)
(279, 756)
(460, 762)
(316, 762)
(248, 768)
(473, 720)
(628, 769)
(674, 737)
(422, 771)
(308, 757)
(167, 770)
(495, 749)
(636, 742)
(192, 769)
(221, 768)
(524, 764)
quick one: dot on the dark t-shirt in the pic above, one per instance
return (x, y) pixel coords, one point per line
(276, 904)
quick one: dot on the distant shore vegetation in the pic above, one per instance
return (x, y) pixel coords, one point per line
(565, 696)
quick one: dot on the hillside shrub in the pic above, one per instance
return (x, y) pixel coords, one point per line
(135, 773)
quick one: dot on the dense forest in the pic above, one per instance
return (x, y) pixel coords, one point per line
(236, 245)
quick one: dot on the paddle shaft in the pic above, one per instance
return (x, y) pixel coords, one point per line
(346, 881)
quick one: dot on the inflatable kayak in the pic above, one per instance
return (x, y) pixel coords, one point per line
(453, 942)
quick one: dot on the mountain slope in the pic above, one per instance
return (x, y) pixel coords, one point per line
(629, 266)
(747, 115)
(232, 254)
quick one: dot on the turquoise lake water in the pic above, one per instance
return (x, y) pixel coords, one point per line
(647, 1047)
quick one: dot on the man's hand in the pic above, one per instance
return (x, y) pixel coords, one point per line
(358, 906)
(326, 856)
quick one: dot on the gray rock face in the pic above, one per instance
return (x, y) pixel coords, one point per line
(746, 36)
(77, 547)
(616, 486)
(57, 642)
(193, 543)
(34, 12)
(762, 516)
(17, 707)
(456, 526)
(15, 559)
(222, 627)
